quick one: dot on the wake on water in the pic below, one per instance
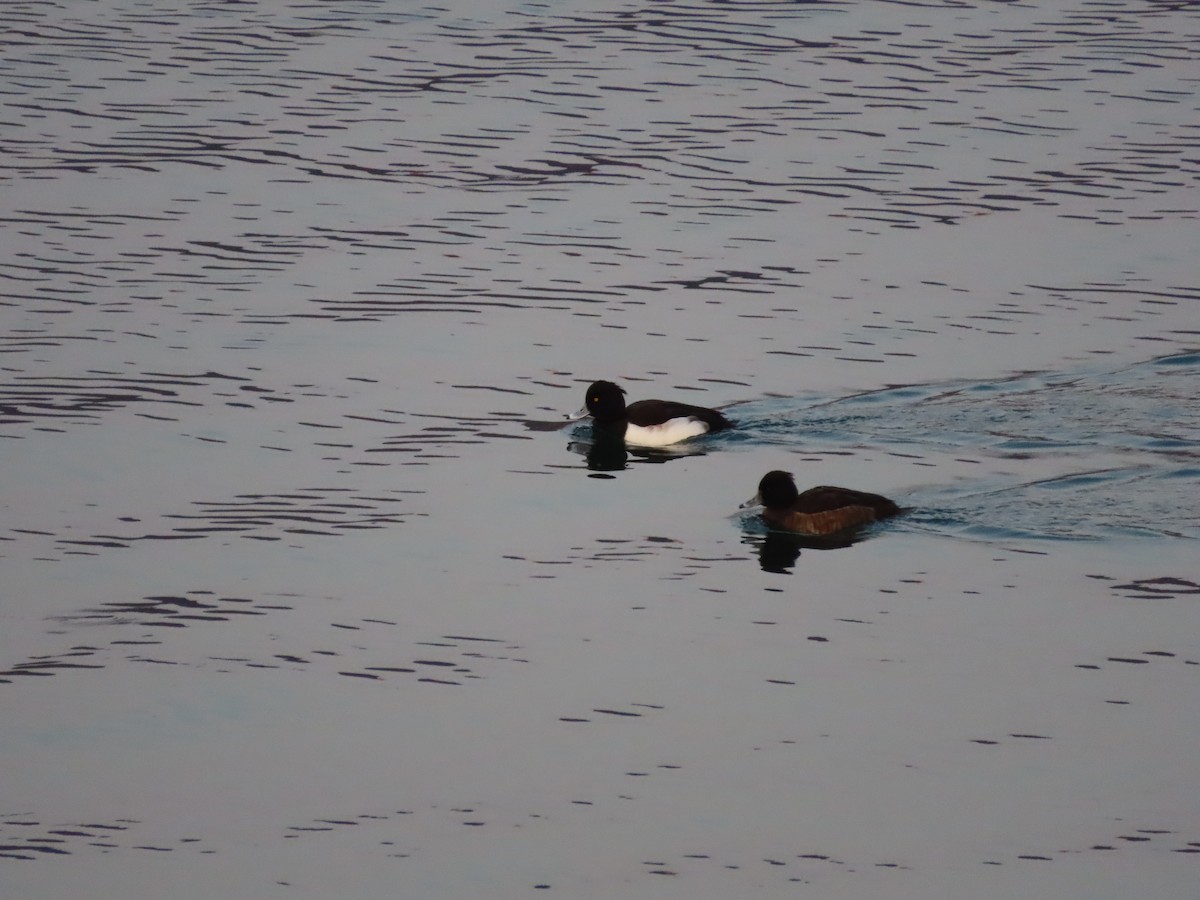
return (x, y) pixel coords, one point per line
(1085, 455)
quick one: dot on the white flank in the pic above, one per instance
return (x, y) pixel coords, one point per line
(671, 431)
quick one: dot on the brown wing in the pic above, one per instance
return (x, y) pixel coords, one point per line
(826, 499)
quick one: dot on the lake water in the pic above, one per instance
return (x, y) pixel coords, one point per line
(307, 589)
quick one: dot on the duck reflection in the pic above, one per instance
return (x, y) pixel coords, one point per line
(605, 455)
(779, 550)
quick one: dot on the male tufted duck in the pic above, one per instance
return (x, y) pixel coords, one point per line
(819, 510)
(648, 423)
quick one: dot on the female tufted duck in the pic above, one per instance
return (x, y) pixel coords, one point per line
(817, 511)
(648, 423)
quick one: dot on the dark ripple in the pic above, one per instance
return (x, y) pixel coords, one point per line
(23, 836)
(139, 633)
(51, 402)
(171, 611)
(272, 517)
(1164, 587)
(26, 398)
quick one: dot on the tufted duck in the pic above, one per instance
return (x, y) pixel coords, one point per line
(819, 510)
(648, 423)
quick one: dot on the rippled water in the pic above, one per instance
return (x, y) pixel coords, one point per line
(1083, 455)
(309, 589)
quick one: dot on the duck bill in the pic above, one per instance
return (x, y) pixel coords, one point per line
(756, 500)
(581, 413)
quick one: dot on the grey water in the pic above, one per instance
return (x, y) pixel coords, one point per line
(309, 589)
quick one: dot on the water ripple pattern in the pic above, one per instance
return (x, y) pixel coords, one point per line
(298, 552)
(692, 113)
(272, 90)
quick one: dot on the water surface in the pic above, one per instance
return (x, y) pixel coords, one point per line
(304, 595)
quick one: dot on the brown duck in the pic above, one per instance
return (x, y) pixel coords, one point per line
(818, 511)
